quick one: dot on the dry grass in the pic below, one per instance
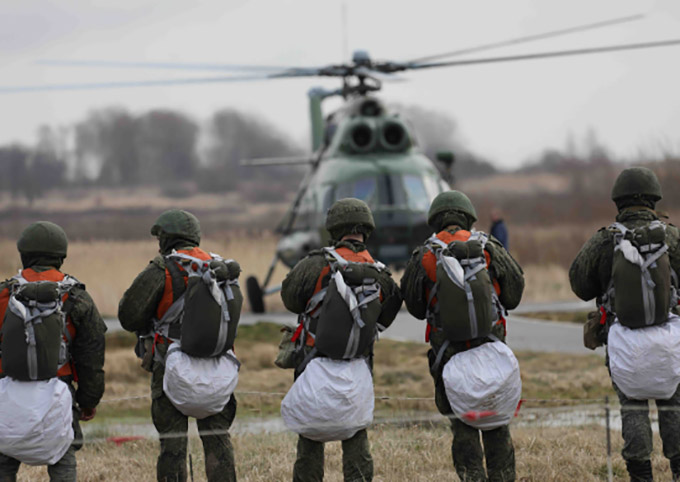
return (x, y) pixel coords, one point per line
(547, 282)
(416, 453)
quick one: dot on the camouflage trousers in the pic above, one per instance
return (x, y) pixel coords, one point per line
(466, 448)
(637, 429)
(357, 463)
(172, 424)
(64, 470)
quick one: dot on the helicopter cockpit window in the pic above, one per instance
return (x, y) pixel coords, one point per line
(413, 191)
(365, 189)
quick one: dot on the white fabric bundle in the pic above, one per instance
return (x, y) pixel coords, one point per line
(35, 420)
(330, 400)
(199, 387)
(483, 385)
(645, 362)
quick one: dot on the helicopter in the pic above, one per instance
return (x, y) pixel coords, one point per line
(363, 150)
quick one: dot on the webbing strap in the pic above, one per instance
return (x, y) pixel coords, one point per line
(310, 356)
(438, 360)
(178, 285)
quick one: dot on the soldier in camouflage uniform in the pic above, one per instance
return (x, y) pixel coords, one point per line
(635, 193)
(176, 230)
(43, 247)
(349, 222)
(451, 212)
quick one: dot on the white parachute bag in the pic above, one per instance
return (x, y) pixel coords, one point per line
(330, 400)
(483, 385)
(35, 420)
(199, 387)
(645, 362)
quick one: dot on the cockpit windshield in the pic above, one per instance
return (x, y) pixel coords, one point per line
(412, 192)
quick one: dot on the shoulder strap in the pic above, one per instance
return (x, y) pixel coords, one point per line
(177, 277)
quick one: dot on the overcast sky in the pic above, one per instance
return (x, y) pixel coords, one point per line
(507, 112)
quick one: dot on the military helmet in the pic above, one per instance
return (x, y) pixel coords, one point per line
(348, 216)
(43, 237)
(636, 181)
(178, 223)
(450, 201)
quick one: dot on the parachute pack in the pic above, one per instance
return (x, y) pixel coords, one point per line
(34, 332)
(201, 370)
(640, 292)
(466, 304)
(206, 307)
(35, 406)
(343, 317)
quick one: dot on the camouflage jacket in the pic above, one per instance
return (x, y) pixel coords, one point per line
(88, 345)
(590, 272)
(299, 285)
(502, 267)
(137, 309)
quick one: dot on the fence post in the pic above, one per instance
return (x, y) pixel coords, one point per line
(610, 472)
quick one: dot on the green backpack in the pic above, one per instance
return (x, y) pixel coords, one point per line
(343, 317)
(640, 293)
(204, 315)
(34, 335)
(467, 305)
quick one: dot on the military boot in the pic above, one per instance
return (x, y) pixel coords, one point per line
(640, 470)
(675, 468)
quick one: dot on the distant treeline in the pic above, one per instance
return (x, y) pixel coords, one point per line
(115, 147)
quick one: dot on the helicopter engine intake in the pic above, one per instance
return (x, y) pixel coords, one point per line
(394, 137)
(362, 137)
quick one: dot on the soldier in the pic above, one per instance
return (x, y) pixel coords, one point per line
(452, 215)
(148, 299)
(635, 193)
(350, 223)
(43, 247)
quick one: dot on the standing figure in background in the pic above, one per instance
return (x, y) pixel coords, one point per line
(464, 319)
(69, 341)
(631, 268)
(158, 307)
(498, 228)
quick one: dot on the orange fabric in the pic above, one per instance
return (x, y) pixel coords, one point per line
(166, 300)
(346, 253)
(32, 276)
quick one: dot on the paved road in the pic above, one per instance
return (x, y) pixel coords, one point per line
(523, 333)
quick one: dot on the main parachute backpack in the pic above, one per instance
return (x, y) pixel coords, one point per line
(466, 306)
(205, 312)
(34, 331)
(343, 317)
(640, 292)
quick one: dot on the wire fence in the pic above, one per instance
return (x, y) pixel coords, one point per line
(530, 411)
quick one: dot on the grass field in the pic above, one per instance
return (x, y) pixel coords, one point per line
(402, 451)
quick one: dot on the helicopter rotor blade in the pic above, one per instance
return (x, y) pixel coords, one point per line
(157, 83)
(167, 65)
(377, 75)
(276, 161)
(528, 38)
(544, 55)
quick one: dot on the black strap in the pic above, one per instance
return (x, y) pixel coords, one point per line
(177, 276)
(440, 354)
(301, 367)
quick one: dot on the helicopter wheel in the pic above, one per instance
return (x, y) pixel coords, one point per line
(255, 296)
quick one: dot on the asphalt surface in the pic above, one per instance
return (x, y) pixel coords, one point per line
(523, 333)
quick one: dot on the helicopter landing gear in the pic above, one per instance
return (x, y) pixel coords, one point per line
(255, 295)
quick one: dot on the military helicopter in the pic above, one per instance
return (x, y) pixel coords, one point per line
(362, 150)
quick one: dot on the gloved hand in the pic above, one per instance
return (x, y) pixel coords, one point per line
(87, 414)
